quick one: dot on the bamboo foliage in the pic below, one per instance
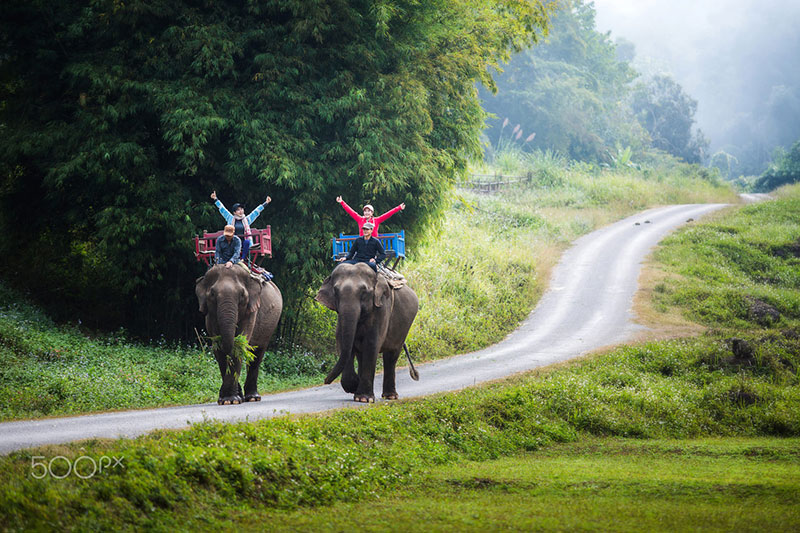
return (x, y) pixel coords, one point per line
(119, 119)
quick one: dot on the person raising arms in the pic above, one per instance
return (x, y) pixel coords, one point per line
(369, 211)
(240, 222)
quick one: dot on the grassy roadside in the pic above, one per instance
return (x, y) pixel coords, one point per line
(740, 270)
(48, 369)
(680, 389)
(480, 273)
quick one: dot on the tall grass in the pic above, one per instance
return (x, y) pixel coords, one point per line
(48, 369)
(481, 272)
(686, 388)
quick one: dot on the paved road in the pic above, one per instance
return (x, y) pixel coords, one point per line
(587, 306)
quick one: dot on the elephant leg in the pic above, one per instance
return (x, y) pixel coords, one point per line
(230, 391)
(366, 374)
(389, 365)
(251, 383)
(349, 376)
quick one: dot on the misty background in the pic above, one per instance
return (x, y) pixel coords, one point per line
(739, 59)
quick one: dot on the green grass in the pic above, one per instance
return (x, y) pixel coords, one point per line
(479, 273)
(680, 389)
(722, 272)
(48, 369)
(592, 485)
(541, 437)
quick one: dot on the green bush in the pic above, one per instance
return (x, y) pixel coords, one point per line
(784, 170)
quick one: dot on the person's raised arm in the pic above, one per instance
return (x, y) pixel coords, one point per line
(257, 211)
(222, 210)
(349, 209)
(389, 213)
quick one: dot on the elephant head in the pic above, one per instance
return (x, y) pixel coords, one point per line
(229, 298)
(362, 300)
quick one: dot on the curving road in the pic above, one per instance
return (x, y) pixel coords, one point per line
(587, 306)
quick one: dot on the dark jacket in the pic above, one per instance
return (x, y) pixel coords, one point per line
(363, 250)
(227, 251)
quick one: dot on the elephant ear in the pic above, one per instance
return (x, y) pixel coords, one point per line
(382, 291)
(326, 296)
(201, 290)
(254, 287)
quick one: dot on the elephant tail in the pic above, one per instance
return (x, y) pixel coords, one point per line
(335, 371)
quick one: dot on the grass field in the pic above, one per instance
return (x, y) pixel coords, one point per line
(593, 485)
(687, 434)
(683, 389)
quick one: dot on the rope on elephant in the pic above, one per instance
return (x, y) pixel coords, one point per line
(256, 272)
(395, 279)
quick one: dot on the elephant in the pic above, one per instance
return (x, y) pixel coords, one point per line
(235, 303)
(372, 318)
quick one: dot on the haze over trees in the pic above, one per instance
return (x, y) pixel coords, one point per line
(118, 119)
(738, 59)
(579, 94)
(667, 113)
(570, 90)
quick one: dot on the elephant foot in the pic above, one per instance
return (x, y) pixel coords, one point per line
(252, 398)
(230, 400)
(390, 396)
(364, 398)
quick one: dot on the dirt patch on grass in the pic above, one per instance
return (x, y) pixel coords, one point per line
(660, 324)
(788, 250)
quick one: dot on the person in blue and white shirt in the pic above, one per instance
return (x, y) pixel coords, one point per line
(240, 222)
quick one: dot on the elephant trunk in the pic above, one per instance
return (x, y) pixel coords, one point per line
(346, 325)
(228, 318)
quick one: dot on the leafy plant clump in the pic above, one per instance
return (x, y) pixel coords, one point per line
(241, 355)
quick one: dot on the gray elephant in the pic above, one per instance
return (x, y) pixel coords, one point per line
(235, 303)
(372, 318)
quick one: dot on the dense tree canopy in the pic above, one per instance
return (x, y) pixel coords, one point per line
(118, 120)
(667, 113)
(571, 91)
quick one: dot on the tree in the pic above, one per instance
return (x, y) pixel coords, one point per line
(667, 113)
(571, 91)
(784, 170)
(118, 120)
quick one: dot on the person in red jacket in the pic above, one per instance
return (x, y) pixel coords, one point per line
(368, 212)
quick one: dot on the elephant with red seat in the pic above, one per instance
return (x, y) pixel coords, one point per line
(236, 303)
